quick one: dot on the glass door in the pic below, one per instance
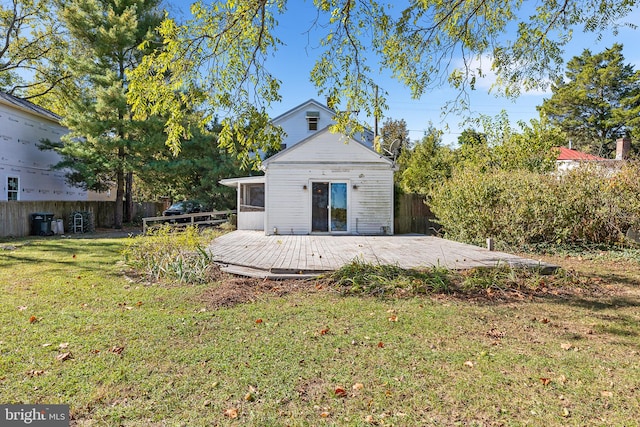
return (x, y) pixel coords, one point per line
(320, 207)
(329, 207)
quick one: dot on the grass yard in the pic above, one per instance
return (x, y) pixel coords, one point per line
(75, 330)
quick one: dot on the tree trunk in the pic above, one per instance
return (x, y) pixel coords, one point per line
(118, 208)
(128, 197)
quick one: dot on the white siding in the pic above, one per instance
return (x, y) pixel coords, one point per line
(294, 124)
(20, 157)
(370, 205)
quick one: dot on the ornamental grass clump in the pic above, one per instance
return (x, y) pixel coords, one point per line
(170, 254)
(359, 277)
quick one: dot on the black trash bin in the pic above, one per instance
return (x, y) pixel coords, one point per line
(41, 224)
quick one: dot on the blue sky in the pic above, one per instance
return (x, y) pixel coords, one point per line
(294, 61)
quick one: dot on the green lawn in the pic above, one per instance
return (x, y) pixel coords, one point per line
(141, 355)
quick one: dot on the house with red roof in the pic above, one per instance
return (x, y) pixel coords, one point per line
(570, 159)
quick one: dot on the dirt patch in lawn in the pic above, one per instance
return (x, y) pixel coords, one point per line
(609, 282)
(231, 290)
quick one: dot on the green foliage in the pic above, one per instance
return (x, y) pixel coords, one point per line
(191, 175)
(217, 58)
(394, 132)
(31, 40)
(597, 101)
(170, 254)
(425, 165)
(582, 207)
(103, 140)
(359, 277)
(501, 146)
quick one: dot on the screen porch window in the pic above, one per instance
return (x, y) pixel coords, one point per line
(312, 119)
(252, 197)
(12, 188)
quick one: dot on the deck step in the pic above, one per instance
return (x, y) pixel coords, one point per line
(279, 274)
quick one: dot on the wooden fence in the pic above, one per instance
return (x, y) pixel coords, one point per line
(15, 216)
(412, 215)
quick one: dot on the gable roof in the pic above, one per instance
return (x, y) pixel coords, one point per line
(365, 153)
(569, 154)
(304, 106)
(28, 107)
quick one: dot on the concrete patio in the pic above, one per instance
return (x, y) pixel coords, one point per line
(252, 254)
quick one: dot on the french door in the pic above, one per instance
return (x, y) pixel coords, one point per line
(329, 207)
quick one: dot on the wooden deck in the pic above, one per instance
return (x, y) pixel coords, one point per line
(251, 253)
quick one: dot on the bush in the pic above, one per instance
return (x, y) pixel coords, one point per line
(170, 253)
(359, 277)
(582, 207)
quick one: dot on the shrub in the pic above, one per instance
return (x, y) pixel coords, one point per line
(170, 253)
(359, 277)
(582, 207)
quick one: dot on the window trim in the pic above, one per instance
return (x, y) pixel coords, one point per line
(12, 191)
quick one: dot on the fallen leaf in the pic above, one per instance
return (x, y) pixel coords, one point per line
(116, 350)
(64, 356)
(22, 308)
(35, 372)
(605, 393)
(231, 413)
(33, 319)
(249, 397)
(566, 413)
(340, 392)
(545, 320)
(380, 344)
(325, 414)
(566, 346)
(562, 379)
(545, 381)
(95, 351)
(468, 363)
(63, 345)
(369, 419)
(393, 318)
(324, 331)
(358, 386)
(139, 303)
(258, 321)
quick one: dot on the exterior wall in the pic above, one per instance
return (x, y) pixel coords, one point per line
(250, 221)
(294, 124)
(369, 205)
(20, 132)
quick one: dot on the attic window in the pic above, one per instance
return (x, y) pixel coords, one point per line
(312, 119)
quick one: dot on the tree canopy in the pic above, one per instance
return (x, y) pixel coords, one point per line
(30, 38)
(217, 58)
(597, 101)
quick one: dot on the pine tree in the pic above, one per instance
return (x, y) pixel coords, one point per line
(597, 102)
(104, 140)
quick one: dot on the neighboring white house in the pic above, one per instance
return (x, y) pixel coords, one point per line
(323, 183)
(25, 170)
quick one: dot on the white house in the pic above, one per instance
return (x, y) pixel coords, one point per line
(25, 170)
(323, 183)
(569, 159)
(307, 119)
